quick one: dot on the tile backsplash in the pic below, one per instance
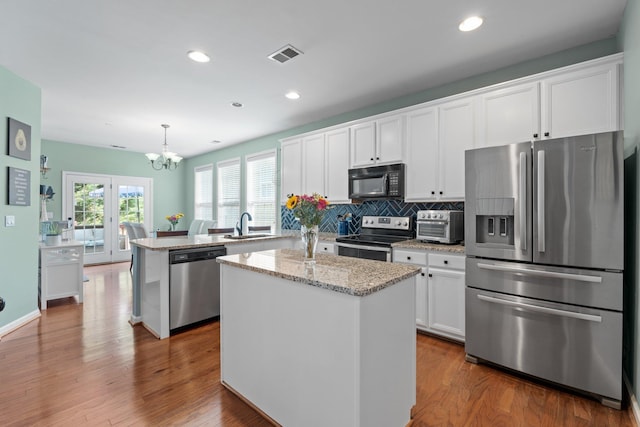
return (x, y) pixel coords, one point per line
(380, 208)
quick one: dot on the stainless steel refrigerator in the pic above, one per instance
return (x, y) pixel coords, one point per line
(544, 245)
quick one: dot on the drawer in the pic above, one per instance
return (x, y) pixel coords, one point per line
(410, 257)
(446, 261)
(325, 248)
(55, 256)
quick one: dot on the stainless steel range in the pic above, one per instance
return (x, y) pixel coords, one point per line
(377, 235)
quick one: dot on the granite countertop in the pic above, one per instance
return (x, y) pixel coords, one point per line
(197, 241)
(438, 247)
(353, 276)
(327, 237)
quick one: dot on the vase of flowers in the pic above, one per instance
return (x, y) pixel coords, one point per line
(309, 210)
(174, 220)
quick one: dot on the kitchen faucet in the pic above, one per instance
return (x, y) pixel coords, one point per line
(240, 227)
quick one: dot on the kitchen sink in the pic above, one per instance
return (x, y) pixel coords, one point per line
(246, 236)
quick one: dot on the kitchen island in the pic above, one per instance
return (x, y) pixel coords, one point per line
(151, 271)
(328, 344)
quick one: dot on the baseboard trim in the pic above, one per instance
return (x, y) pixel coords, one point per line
(12, 326)
(633, 402)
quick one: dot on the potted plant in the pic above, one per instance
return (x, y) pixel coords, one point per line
(53, 233)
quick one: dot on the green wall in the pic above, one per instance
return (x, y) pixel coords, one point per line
(20, 100)
(168, 186)
(629, 38)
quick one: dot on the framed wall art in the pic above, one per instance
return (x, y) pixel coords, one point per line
(19, 140)
(19, 183)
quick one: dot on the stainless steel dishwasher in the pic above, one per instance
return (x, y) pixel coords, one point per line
(194, 285)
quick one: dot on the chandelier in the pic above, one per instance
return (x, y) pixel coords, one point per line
(167, 160)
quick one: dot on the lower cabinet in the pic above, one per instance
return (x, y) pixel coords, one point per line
(325, 247)
(440, 285)
(60, 272)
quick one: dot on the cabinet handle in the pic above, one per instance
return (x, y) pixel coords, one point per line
(535, 135)
(377, 158)
(422, 274)
(433, 192)
(446, 262)
(441, 193)
(408, 257)
(430, 275)
(546, 134)
(371, 159)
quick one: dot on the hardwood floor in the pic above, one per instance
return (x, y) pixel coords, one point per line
(83, 364)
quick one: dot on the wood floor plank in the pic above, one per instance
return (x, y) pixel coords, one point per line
(83, 364)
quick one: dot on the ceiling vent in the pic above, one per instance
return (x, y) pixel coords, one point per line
(285, 54)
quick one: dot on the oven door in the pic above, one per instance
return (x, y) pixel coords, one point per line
(377, 253)
(435, 231)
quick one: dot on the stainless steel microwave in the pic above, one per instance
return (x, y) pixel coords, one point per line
(377, 182)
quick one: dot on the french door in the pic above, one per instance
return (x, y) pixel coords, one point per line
(98, 205)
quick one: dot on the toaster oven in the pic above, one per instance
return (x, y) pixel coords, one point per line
(440, 226)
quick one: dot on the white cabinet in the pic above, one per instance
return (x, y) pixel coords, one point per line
(581, 102)
(456, 133)
(313, 164)
(436, 140)
(446, 295)
(377, 142)
(439, 291)
(509, 115)
(61, 272)
(317, 163)
(422, 154)
(337, 165)
(291, 171)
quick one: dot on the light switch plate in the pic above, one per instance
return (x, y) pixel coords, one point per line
(9, 221)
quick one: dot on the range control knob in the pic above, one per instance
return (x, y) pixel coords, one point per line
(406, 223)
(441, 216)
(423, 216)
(398, 223)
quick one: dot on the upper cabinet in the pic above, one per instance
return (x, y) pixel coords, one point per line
(337, 165)
(290, 170)
(317, 163)
(583, 100)
(422, 154)
(377, 142)
(509, 115)
(313, 164)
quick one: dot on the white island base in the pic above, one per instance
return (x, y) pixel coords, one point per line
(307, 356)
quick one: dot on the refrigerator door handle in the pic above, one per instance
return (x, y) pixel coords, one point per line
(539, 309)
(541, 231)
(522, 205)
(542, 273)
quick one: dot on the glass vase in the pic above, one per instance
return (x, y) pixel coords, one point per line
(309, 243)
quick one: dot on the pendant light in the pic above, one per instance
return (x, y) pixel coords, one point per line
(167, 160)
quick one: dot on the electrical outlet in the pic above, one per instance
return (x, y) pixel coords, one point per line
(9, 221)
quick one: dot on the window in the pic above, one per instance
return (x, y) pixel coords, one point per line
(228, 193)
(261, 188)
(203, 193)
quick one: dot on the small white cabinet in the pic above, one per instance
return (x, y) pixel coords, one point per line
(439, 291)
(377, 142)
(325, 247)
(446, 295)
(422, 154)
(60, 274)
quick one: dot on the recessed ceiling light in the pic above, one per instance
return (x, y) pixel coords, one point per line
(237, 104)
(471, 23)
(292, 95)
(198, 56)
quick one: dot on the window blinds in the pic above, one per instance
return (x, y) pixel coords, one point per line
(261, 188)
(203, 193)
(228, 193)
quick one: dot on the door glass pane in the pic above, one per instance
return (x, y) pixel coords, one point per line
(130, 209)
(88, 214)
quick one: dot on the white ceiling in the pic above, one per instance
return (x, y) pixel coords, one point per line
(112, 71)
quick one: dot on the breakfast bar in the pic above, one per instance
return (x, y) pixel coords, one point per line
(332, 343)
